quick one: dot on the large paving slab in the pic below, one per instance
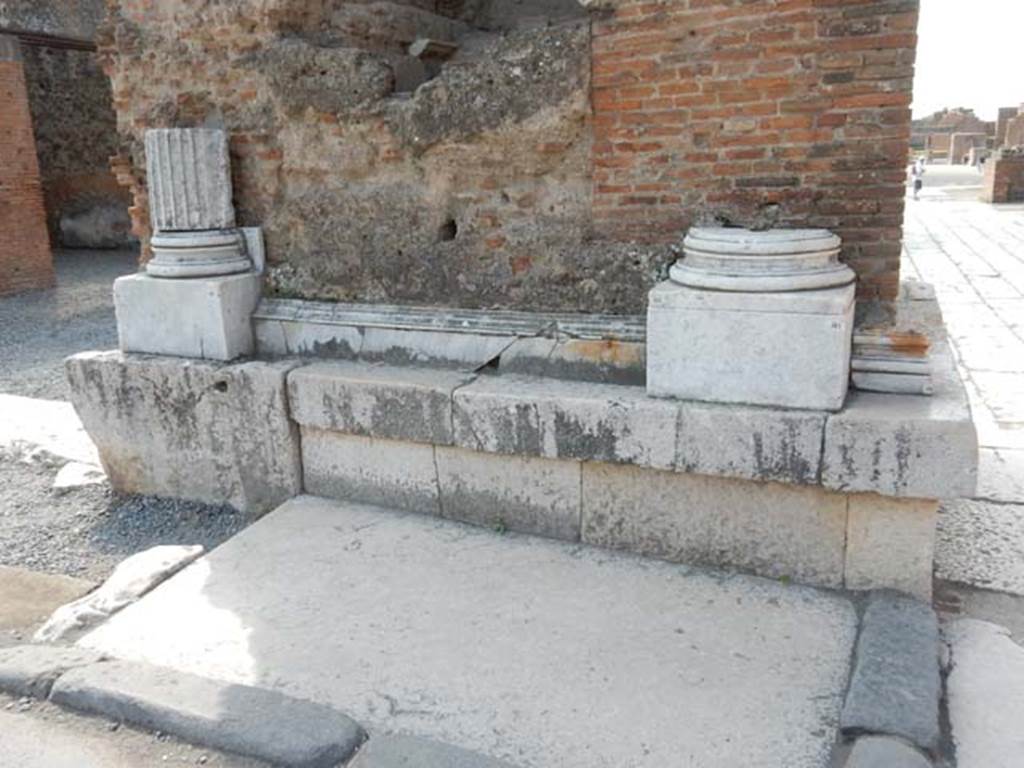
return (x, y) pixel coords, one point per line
(985, 691)
(534, 651)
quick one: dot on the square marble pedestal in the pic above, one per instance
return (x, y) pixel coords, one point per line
(788, 349)
(207, 318)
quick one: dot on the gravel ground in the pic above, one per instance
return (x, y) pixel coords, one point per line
(86, 532)
(39, 329)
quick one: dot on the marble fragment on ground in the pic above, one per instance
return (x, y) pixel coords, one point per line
(131, 579)
(522, 649)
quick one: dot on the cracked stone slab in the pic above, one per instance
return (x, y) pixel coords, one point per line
(255, 722)
(883, 752)
(30, 670)
(895, 686)
(540, 652)
(410, 752)
(985, 690)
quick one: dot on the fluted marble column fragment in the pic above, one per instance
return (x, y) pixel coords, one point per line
(189, 177)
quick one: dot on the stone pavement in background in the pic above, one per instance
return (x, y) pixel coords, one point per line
(973, 254)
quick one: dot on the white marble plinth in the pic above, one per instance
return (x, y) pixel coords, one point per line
(189, 179)
(789, 349)
(207, 318)
(760, 318)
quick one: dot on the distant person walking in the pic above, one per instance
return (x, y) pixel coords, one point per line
(917, 174)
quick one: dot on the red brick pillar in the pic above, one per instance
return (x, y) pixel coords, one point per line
(26, 262)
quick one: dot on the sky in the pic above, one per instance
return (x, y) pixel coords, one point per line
(969, 54)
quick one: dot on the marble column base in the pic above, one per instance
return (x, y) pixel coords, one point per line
(206, 318)
(204, 253)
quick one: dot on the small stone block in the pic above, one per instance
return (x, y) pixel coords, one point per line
(30, 670)
(254, 722)
(412, 752)
(902, 445)
(399, 403)
(517, 493)
(207, 318)
(882, 752)
(890, 543)
(389, 473)
(895, 687)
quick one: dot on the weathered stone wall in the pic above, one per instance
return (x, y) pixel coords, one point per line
(795, 111)
(1004, 179)
(76, 134)
(960, 145)
(77, 19)
(479, 182)
(1014, 132)
(473, 190)
(1006, 114)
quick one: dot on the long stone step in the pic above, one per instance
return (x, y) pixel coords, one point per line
(537, 652)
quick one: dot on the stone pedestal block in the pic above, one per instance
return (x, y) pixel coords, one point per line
(783, 349)
(189, 429)
(207, 318)
(762, 318)
(189, 176)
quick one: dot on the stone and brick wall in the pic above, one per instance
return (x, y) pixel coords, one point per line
(25, 258)
(76, 135)
(780, 110)
(553, 160)
(1004, 179)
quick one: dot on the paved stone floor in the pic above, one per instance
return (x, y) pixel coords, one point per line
(541, 652)
(973, 254)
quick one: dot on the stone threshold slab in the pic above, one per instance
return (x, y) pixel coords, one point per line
(894, 445)
(527, 650)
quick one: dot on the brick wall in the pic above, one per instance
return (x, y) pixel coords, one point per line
(795, 111)
(548, 167)
(1004, 179)
(25, 259)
